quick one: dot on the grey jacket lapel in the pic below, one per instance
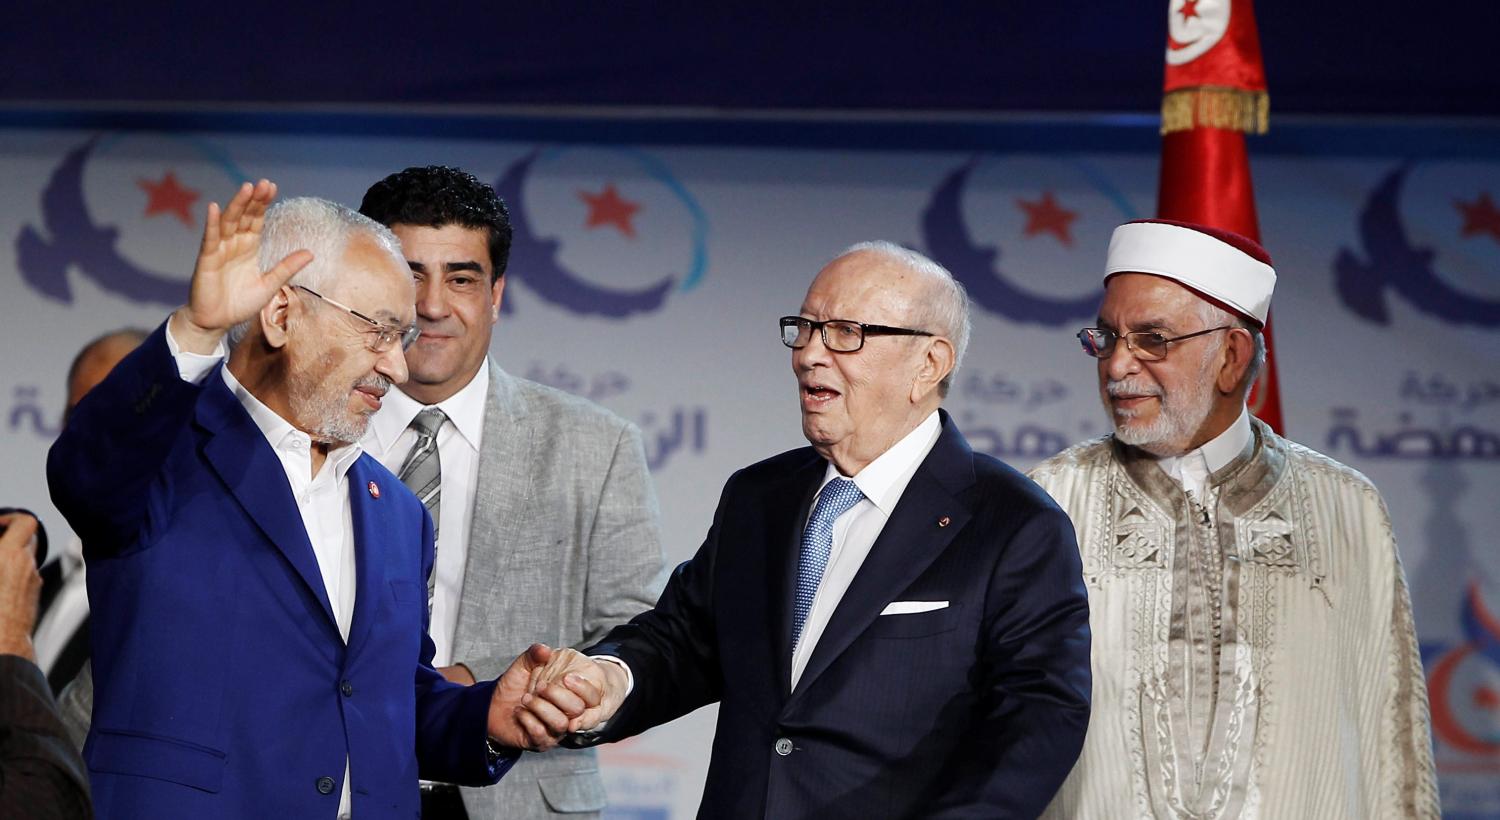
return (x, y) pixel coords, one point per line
(503, 489)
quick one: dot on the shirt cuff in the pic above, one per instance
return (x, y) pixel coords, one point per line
(193, 367)
(629, 677)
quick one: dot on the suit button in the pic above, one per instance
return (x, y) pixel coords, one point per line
(325, 785)
(783, 746)
(347, 689)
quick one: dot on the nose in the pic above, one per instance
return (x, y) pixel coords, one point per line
(392, 365)
(811, 354)
(1120, 362)
(432, 301)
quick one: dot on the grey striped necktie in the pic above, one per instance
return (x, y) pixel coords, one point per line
(422, 475)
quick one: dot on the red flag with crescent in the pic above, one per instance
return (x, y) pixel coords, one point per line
(1215, 93)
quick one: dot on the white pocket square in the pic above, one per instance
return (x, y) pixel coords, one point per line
(912, 607)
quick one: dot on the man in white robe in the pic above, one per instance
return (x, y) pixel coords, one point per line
(1254, 654)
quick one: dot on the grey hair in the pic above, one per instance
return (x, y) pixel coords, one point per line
(1215, 316)
(322, 227)
(946, 313)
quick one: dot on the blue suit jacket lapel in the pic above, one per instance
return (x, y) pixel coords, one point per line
(374, 522)
(911, 540)
(239, 453)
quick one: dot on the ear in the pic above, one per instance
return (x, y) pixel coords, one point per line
(275, 316)
(1238, 350)
(497, 292)
(935, 365)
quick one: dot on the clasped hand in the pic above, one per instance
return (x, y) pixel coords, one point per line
(547, 693)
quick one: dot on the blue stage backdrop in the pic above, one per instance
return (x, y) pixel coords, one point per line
(648, 277)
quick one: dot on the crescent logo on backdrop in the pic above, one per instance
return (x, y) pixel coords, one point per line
(1464, 685)
(73, 239)
(1392, 262)
(1194, 27)
(948, 240)
(536, 259)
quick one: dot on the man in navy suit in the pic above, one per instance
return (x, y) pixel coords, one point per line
(259, 585)
(892, 624)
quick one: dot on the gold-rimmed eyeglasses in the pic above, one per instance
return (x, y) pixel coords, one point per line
(1147, 345)
(379, 337)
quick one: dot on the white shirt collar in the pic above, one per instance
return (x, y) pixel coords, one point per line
(286, 439)
(464, 408)
(884, 479)
(1227, 446)
(1192, 469)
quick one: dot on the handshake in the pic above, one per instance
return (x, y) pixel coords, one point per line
(548, 693)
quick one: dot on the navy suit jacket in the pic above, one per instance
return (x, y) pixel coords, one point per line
(975, 710)
(222, 686)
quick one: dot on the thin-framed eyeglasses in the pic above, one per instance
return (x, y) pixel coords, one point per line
(839, 335)
(1147, 345)
(380, 337)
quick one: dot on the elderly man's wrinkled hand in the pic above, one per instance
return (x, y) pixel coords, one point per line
(537, 721)
(20, 585)
(228, 285)
(589, 691)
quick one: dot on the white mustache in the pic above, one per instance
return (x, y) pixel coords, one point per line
(1125, 387)
(376, 381)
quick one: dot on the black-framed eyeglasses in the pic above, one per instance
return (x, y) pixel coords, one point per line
(839, 335)
(379, 337)
(1147, 345)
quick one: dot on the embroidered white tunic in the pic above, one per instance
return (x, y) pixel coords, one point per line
(1253, 650)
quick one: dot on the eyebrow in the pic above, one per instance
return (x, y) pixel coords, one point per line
(1149, 324)
(448, 267)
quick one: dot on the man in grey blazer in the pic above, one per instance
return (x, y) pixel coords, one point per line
(547, 523)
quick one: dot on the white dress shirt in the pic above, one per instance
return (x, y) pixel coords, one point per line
(69, 608)
(389, 440)
(322, 499)
(882, 481)
(1192, 469)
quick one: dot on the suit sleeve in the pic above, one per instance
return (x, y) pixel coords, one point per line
(452, 720)
(1035, 679)
(99, 471)
(672, 648)
(41, 774)
(624, 549)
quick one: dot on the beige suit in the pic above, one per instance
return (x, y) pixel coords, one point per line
(565, 543)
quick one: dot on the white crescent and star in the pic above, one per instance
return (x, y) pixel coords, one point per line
(1194, 27)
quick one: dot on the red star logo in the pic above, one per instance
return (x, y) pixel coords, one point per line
(609, 208)
(169, 197)
(1046, 216)
(1480, 216)
(1189, 10)
(1486, 698)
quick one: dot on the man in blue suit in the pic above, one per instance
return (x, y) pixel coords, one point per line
(259, 585)
(892, 624)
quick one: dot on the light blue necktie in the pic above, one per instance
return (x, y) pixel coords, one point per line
(817, 542)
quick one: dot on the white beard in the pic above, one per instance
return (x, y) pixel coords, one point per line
(332, 420)
(1177, 419)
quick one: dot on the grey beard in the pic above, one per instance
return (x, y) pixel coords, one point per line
(1172, 429)
(333, 423)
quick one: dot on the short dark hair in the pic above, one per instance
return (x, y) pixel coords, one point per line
(436, 195)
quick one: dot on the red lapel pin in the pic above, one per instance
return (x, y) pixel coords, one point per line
(944, 521)
(374, 489)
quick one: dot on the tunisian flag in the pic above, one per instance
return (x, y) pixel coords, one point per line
(1215, 93)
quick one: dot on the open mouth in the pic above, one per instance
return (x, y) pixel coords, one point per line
(816, 394)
